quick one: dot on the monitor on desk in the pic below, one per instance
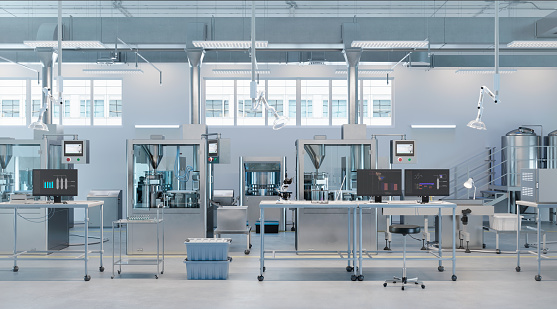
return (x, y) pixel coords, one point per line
(379, 182)
(53, 182)
(426, 183)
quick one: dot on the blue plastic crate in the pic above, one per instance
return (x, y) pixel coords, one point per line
(207, 270)
(207, 249)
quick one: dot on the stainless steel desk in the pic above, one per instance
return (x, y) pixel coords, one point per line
(536, 206)
(355, 207)
(350, 256)
(69, 204)
(443, 208)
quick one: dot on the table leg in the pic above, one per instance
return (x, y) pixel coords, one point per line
(262, 250)
(101, 268)
(349, 242)
(518, 228)
(87, 277)
(454, 244)
(360, 250)
(16, 268)
(113, 252)
(441, 268)
(538, 222)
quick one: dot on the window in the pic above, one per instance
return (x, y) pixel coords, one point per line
(281, 94)
(107, 95)
(12, 102)
(219, 100)
(114, 108)
(315, 102)
(84, 108)
(339, 104)
(380, 95)
(245, 114)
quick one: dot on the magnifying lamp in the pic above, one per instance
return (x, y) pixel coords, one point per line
(469, 184)
(477, 123)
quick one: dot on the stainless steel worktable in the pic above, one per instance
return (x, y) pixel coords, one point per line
(536, 206)
(67, 204)
(421, 209)
(356, 208)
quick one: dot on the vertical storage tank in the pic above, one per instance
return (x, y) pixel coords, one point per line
(520, 149)
(552, 149)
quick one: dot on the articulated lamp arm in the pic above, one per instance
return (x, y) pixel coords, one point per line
(280, 121)
(477, 123)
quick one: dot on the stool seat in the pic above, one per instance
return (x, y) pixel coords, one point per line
(404, 229)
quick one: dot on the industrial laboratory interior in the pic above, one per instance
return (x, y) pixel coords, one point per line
(271, 154)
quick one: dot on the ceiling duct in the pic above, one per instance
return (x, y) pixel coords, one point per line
(419, 60)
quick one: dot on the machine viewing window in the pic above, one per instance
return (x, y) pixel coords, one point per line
(379, 182)
(57, 183)
(425, 183)
(72, 148)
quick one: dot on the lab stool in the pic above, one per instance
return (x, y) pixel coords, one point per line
(404, 229)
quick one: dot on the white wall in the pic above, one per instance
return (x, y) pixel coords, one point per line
(438, 96)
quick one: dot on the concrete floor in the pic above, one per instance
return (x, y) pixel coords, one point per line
(484, 279)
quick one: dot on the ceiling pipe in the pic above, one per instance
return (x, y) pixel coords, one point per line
(496, 77)
(253, 84)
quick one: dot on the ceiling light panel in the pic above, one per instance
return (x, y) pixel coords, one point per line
(532, 44)
(118, 71)
(65, 44)
(229, 44)
(366, 72)
(390, 44)
(433, 126)
(484, 71)
(224, 72)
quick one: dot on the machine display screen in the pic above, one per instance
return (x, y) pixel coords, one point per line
(213, 148)
(379, 182)
(72, 148)
(424, 182)
(52, 182)
(404, 148)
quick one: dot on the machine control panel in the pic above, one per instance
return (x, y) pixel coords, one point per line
(403, 152)
(75, 152)
(213, 151)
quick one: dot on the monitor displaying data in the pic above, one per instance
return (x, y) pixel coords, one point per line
(426, 182)
(379, 182)
(55, 182)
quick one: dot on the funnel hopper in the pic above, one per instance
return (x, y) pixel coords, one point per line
(6, 152)
(155, 154)
(316, 154)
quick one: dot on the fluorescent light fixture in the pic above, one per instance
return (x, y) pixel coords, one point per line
(157, 126)
(366, 72)
(484, 71)
(65, 44)
(229, 44)
(532, 44)
(390, 44)
(114, 71)
(433, 126)
(219, 71)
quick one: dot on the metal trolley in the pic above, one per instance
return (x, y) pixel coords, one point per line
(158, 221)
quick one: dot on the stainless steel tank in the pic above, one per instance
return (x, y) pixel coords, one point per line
(520, 149)
(552, 149)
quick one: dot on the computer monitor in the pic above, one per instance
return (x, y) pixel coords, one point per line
(57, 183)
(426, 183)
(379, 182)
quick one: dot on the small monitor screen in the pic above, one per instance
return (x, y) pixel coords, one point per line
(72, 148)
(424, 182)
(51, 182)
(404, 148)
(213, 148)
(379, 182)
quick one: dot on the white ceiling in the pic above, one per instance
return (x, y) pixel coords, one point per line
(276, 8)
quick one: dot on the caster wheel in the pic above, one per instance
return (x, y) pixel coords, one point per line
(15, 269)
(416, 282)
(292, 229)
(349, 268)
(230, 258)
(526, 246)
(250, 246)
(538, 278)
(498, 251)
(385, 284)
(402, 288)
(517, 269)
(111, 277)
(453, 278)
(119, 271)
(544, 251)
(260, 278)
(162, 272)
(467, 251)
(87, 278)
(353, 277)
(387, 249)
(441, 268)
(361, 278)
(484, 246)
(156, 277)
(423, 286)
(101, 269)
(246, 252)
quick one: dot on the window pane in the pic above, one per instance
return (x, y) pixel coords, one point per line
(77, 102)
(339, 103)
(282, 94)
(315, 102)
(99, 108)
(12, 102)
(115, 108)
(245, 114)
(107, 95)
(219, 97)
(380, 94)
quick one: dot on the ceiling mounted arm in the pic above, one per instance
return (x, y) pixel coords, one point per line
(477, 123)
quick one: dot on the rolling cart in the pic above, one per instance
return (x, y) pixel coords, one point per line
(158, 222)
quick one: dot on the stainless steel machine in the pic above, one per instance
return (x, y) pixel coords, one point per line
(326, 170)
(551, 142)
(521, 149)
(168, 172)
(40, 229)
(260, 179)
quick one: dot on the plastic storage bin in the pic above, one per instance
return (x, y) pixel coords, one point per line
(504, 222)
(207, 249)
(270, 227)
(207, 270)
